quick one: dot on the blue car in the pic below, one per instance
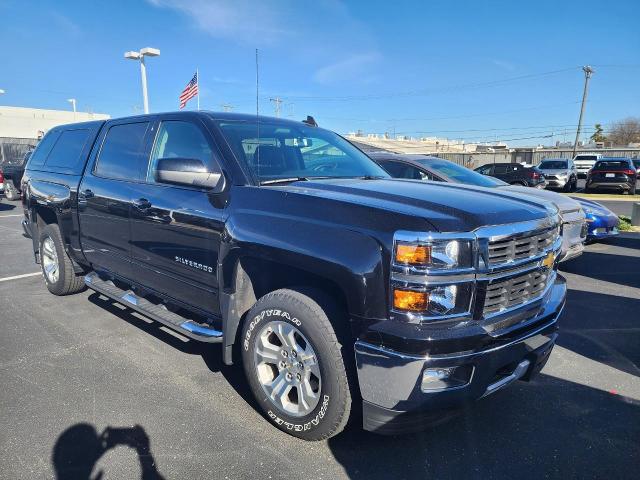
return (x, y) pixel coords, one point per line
(601, 222)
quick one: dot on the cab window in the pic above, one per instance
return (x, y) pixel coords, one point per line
(179, 139)
(122, 154)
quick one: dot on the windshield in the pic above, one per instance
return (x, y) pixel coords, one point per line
(553, 164)
(282, 151)
(586, 157)
(611, 165)
(460, 174)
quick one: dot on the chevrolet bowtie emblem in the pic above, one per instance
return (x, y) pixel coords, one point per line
(549, 260)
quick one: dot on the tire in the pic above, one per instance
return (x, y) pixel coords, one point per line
(323, 411)
(522, 184)
(574, 185)
(10, 192)
(57, 268)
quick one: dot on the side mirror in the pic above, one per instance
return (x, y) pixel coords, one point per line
(190, 172)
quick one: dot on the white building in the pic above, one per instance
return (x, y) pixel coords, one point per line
(19, 122)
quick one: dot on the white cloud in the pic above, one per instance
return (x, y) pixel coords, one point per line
(503, 64)
(244, 21)
(66, 24)
(350, 68)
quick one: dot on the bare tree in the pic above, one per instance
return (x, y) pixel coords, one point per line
(625, 131)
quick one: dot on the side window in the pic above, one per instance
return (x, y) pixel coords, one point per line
(41, 152)
(122, 153)
(178, 139)
(500, 169)
(66, 152)
(486, 170)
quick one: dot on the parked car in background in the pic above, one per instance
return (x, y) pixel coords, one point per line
(584, 163)
(422, 167)
(515, 174)
(560, 173)
(12, 173)
(636, 163)
(613, 174)
(602, 223)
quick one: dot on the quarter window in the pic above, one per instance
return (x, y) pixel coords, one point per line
(122, 154)
(41, 152)
(66, 152)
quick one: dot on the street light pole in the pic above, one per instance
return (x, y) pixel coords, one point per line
(145, 52)
(588, 71)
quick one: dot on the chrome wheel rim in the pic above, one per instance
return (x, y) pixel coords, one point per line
(287, 368)
(50, 260)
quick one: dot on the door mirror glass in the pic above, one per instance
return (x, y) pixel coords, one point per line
(190, 172)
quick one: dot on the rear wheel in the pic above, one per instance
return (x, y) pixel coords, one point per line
(10, 192)
(57, 268)
(295, 367)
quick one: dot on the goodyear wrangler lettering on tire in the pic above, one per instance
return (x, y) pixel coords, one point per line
(295, 366)
(306, 426)
(260, 316)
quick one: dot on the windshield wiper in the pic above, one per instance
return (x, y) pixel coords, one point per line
(284, 180)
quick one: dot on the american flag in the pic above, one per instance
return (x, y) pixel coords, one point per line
(190, 91)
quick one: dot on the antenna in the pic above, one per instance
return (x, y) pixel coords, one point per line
(257, 152)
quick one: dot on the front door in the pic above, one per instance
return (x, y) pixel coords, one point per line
(105, 192)
(176, 230)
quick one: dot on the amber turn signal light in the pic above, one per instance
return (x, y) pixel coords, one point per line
(410, 300)
(413, 254)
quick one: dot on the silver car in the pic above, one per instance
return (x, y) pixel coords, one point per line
(423, 167)
(560, 173)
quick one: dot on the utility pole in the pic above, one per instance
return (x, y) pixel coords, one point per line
(278, 102)
(227, 107)
(588, 71)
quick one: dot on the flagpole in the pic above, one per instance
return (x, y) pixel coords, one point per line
(198, 79)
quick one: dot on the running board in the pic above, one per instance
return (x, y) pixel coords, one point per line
(176, 322)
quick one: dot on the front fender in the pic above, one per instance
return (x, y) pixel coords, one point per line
(351, 260)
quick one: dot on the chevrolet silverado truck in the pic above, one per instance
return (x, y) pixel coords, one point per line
(344, 293)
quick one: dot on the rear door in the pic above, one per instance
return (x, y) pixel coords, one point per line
(176, 230)
(118, 164)
(501, 171)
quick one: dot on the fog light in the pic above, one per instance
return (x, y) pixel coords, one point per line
(445, 378)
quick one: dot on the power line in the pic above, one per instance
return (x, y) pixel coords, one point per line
(429, 91)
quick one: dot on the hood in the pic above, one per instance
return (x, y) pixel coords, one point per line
(593, 207)
(564, 203)
(448, 207)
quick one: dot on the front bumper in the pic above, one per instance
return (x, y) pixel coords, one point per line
(390, 381)
(556, 182)
(602, 226)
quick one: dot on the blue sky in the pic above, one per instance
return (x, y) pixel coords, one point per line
(464, 69)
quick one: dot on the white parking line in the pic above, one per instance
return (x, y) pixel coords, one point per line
(16, 277)
(7, 216)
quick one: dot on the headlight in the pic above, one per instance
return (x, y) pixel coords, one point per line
(434, 301)
(435, 254)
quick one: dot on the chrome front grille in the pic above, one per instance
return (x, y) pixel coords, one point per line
(504, 294)
(520, 248)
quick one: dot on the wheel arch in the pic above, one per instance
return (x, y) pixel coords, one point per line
(246, 278)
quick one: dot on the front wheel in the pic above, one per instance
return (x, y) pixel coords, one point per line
(295, 366)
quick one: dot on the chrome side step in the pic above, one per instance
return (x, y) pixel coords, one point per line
(180, 324)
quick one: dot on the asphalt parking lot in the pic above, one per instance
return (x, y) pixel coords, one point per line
(78, 374)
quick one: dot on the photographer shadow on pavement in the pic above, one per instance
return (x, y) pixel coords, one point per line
(79, 448)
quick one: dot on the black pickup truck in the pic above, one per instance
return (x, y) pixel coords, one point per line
(343, 292)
